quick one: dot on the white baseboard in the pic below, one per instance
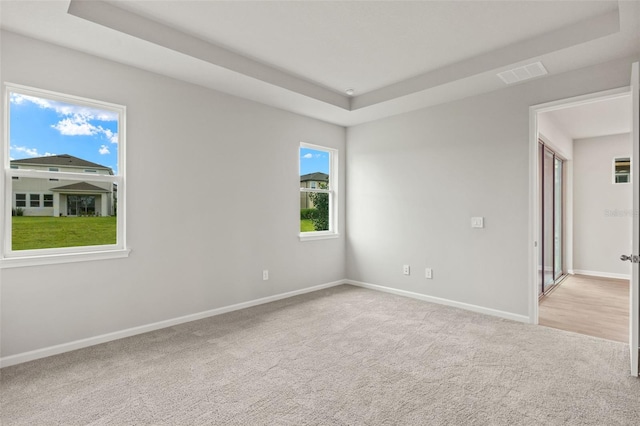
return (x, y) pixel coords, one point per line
(96, 340)
(440, 301)
(602, 274)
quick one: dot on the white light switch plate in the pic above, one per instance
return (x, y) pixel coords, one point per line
(477, 222)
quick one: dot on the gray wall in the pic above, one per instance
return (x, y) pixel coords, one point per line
(602, 210)
(415, 180)
(199, 242)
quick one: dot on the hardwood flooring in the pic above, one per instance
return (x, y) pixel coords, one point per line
(588, 305)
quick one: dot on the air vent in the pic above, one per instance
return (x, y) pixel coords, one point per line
(522, 73)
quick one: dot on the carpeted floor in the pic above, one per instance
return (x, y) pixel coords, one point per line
(341, 356)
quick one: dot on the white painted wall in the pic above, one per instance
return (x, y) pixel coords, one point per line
(416, 179)
(555, 137)
(198, 241)
(602, 210)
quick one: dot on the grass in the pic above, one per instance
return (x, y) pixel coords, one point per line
(30, 232)
(306, 225)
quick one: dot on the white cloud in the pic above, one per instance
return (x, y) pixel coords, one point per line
(30, 152)
(75, 126)
(308, 155)
(79, 125)
(103, 150)
(64, 108)
(113, 137)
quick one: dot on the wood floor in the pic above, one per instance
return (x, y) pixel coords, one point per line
(594, 306)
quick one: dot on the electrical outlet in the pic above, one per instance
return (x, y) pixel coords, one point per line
(428, 273)
(406, 269)
(265, 275)
(477, 222)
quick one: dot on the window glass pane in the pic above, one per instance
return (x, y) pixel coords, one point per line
(48, 134)
(314, 174)
(314, 168)
(622, 170)
(21, 200)
(74, 214)
(69, 149)
(34, 200)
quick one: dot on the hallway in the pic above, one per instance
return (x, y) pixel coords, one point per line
(589, 305)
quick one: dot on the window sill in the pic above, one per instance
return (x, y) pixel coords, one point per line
(17, 262)
(310, 236)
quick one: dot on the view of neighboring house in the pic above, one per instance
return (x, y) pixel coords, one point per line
(62, 197)
(311, 181)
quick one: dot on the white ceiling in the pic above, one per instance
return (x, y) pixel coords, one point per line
(301, 56)
(600, 118)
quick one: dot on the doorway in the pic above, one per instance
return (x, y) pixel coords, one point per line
(553, 239)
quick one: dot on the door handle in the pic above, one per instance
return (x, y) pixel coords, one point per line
(631, 258)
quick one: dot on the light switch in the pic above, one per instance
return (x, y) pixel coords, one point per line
(477, 222)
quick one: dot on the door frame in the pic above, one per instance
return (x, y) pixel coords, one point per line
(534, 205)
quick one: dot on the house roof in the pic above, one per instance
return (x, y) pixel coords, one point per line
(60, 160)
(317, 176)
(79, 187)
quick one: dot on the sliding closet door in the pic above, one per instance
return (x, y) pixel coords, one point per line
(550, 189)
(548, 175)
(557, 220)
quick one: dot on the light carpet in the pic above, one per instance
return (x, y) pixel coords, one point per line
(341, 356)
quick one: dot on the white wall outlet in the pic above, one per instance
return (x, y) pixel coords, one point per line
(265, 275)
(477, 222)
(428, 273)
(406, 269)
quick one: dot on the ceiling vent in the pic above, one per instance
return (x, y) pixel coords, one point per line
(522, 73)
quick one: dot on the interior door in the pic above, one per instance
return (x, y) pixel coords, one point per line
(634, 293)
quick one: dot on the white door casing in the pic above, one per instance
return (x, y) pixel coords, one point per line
(634, 294)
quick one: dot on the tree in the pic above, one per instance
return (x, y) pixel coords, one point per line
(320, 202)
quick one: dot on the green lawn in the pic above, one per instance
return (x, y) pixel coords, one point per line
(306, 225)
(50, 232)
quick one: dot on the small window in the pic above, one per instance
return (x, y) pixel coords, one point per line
(48, 200)
(318, 188)
(622, 170)
(34, 200)
(21, 200)
(90, 171)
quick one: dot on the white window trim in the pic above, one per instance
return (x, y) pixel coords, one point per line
(334, 184)
(20, 258)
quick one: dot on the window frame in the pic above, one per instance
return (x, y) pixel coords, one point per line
(19, 258)
(614, 175)
(34, 198)
(332, 191)
(47, 198)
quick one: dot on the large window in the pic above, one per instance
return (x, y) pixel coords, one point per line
(318, 192)
(63, 157)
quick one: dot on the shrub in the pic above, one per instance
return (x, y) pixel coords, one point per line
(321, 201)
(308, 214)
(19, 211)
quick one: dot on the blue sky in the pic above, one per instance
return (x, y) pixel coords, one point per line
(312, 160)
(41, 127)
